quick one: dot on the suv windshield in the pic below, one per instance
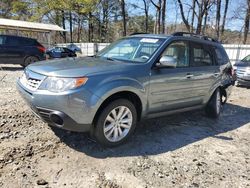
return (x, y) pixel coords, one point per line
(134, 49)
(246, 59)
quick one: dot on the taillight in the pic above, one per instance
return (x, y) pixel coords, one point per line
(232, 72)
(41, 49)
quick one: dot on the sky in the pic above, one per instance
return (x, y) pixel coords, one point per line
(173, 12)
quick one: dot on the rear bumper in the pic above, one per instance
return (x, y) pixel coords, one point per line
(70, 111)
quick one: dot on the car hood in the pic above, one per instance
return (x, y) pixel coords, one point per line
(242, 64)
(77, 67)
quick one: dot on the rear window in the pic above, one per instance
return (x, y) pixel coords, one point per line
(201, 56)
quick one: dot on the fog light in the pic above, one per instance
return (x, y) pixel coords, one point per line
(56, 119)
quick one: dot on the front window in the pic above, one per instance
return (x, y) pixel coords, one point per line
(179, 51)
(134, 49)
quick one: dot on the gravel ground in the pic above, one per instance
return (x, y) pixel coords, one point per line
(183, 150)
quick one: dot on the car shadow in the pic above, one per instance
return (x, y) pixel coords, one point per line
(243, 86)
(8, 68)
(165, 134)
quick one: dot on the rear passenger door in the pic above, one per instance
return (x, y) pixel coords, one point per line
(171, 88)
(14, 54)
(204, 71)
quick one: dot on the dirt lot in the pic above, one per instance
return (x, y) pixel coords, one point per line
(184, 150)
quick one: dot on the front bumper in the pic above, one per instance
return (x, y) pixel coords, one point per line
(75, 108)
(244, 82)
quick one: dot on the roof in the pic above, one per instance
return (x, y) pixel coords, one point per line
(150, 35)
(190, 38)
(28, 26)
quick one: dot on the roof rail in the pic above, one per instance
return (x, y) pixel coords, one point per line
(137, 33)
(195, 35)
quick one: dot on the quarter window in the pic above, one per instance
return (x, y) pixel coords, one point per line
(201, 56)
(179, 51)
(12, 41)
(221, 55)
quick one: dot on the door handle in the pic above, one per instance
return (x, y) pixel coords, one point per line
(189, 75)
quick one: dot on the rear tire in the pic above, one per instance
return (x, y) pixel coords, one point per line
(115, 123)
(28, 60)
(214, 105)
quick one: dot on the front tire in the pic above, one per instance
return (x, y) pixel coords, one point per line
(116, 123)
(214, 105)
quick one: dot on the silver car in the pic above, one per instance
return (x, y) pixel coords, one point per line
(137, 77)
(243, 72)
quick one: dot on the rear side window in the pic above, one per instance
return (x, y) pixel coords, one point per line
(13, 41)
(27, 42)
(201, 56)
(221, 55)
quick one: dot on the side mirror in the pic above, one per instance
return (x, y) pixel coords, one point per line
(167, 61)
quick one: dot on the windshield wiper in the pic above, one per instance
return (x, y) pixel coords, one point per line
(110, 59)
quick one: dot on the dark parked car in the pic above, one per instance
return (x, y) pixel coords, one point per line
(20, 50)
(137, 77)
(243, 71)
(74, 48)
(60, 52)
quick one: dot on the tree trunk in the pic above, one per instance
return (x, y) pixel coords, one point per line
(159, 18)
(63, 24)
(247, 19)
(163, 16)
(90, 27)
(224, 18)
(146, 15)
(183, 16)
(155, 24)
(70, 27)
(157, 28)
(192, 19)
(124, 18)
(205, 24)
(78, 28)
(218, 19)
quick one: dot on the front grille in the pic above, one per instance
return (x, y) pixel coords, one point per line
(31, 80)
(240, 72)
(44, 114)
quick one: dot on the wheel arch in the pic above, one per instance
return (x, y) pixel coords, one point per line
(126, 94)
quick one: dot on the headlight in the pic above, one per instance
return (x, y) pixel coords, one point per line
(57, 84)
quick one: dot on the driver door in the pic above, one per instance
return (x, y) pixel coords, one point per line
(171, 87)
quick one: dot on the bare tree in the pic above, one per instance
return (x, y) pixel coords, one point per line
(124, 22)
(163, 20)
(193, 14)
(157, 28)
(184, 19)
(91, 27)
(218, 7)
(224, 17)
(205, 23)
(70, 27)
(146, 9)
(246, 22)
(203, 8)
